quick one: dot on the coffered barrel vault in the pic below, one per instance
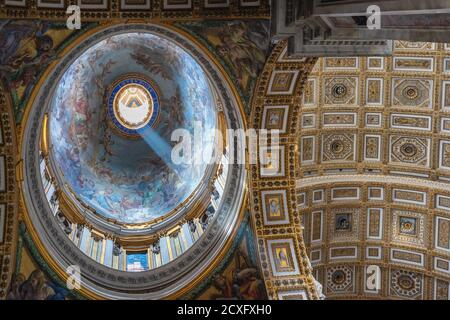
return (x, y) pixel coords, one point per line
(355, 222)
(378, 115)
(372, 182)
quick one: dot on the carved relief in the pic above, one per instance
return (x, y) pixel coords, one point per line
(307, 149)
(409, 150)
(412, 93)
(374, 91)
(341, 90)
(406, 284)
(413, 64)
(372, 146)
(338, 147)
(414, 122)
(339, 119)
(340, 63)
(340, 279)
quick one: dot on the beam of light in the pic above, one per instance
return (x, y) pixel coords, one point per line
(159, 146)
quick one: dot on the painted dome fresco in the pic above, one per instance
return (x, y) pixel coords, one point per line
(111, 121)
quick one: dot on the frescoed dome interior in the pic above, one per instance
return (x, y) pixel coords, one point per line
(131, 178)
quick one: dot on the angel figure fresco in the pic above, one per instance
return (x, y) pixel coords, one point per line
(105, 70)
(238, 45)
(130, 201)
(175, 118)
(20, 39)
(107, 142)
(87, 187)
(170, 53)
(36, 287)
(73, 155)
(108, 199)
(242, 283)
(148, 63)
(24, 46)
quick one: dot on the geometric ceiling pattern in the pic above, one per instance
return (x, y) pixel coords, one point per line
(393, 224)
(379, 115)
(383, 123)
(366, 140)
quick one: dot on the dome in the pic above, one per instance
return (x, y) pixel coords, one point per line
(109, 174)
(111, 121)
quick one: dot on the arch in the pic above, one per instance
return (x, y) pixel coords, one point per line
(9, 193)
(281, 248)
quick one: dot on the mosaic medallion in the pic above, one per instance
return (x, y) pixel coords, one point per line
(343, 222)
(408, 149)
(132, 105)
(411, 92)
(408, 225)
(338, 277)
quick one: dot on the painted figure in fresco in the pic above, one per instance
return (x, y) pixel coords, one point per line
(108, 143)
(36, 287)
(175, 111)
(24, 47)
(274, 207)
(35, 53)
(282, 258)
(60, 292)
(15, 34)
(147, 62)
(74, 156)
(240, 49)
(274, 119)
(244, 282)
(14, 289)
